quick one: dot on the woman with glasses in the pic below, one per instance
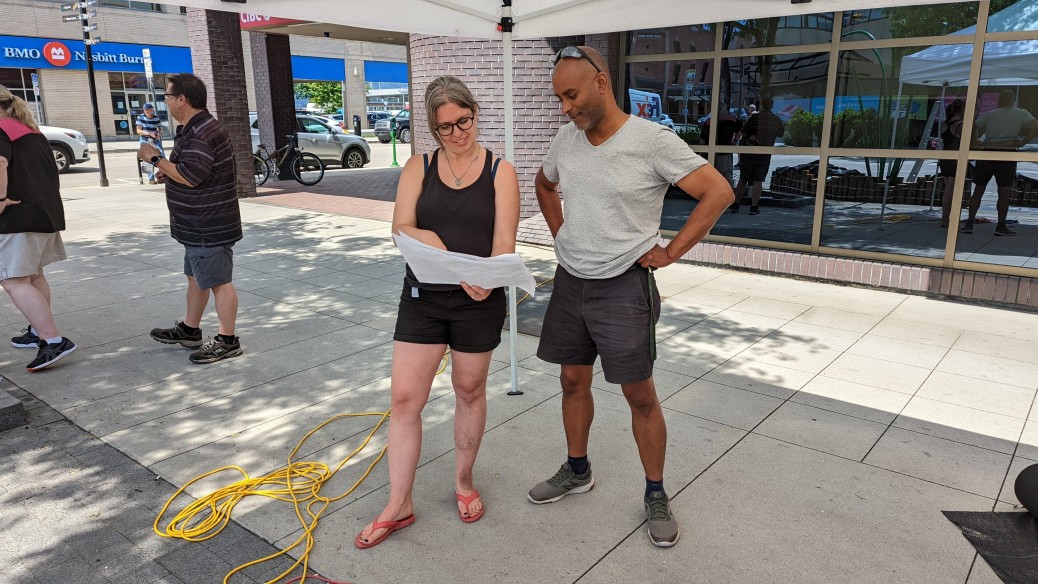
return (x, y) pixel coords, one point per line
(458, 198)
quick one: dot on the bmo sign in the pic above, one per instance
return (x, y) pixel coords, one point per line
(36, 53)
(256, 21)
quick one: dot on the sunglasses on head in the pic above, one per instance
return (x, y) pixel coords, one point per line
(574, 53)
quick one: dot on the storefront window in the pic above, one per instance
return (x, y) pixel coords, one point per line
(673, 93)
(1002, 198)
(910, 21)
(901, 214)
(895, 98)
(785, 192)
(693, 38)
(794, 82)
(785, 31)
(133, 5)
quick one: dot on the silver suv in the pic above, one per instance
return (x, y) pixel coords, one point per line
(69, 146)
(323, 138)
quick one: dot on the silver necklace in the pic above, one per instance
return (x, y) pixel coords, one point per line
(457, 179)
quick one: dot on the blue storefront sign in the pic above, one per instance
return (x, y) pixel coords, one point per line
(385, 72)
(318, 69)
(37, 53)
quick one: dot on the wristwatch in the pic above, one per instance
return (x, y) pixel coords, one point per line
(155, 159)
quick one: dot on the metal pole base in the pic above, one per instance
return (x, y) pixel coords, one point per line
(515, 392)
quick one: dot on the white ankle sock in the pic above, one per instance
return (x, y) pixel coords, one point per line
(54, 340)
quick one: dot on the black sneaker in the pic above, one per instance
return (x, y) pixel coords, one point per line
(754, 210)
(26, 340)
(663, 528)
(1003, 230)
(734, 208)
(178, 336)
(50, 353)
(215, 350)
(967, 227)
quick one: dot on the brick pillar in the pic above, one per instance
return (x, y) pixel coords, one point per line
(478, 63)
(216, 54)
(275, 93)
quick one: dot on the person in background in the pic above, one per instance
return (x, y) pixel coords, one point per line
(149, 128)
(1004, 129)
(951, 137)
(761, 129)
(31, 220)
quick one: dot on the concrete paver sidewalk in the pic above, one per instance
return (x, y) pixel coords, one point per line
(815, 431)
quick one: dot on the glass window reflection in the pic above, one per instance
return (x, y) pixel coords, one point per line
(899, 215)
(1013, 16)
(910, 21)
(785, 31)
(796, 83)
(673, 93)
(785, 209)
(693, 38)
(1004, 229)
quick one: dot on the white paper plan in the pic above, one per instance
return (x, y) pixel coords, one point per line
(436, 266)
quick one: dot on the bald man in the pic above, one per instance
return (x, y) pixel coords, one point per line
(614, 169)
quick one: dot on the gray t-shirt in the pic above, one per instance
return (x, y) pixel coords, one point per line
(1004, 124)
(614, 193)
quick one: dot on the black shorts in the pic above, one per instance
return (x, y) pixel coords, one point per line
(1004, 172)
(451, 318)
(614, 318)
(754, 167)
(209, 266)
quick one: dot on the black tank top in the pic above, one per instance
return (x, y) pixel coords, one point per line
(463, 218)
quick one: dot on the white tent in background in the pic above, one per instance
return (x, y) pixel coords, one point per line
(528, 19)
(1005, 63)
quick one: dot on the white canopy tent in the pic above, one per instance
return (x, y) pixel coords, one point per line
(529, 19)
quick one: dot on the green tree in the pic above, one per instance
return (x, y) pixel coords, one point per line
(326, 95)
(936, 19)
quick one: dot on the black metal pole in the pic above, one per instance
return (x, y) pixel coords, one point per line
(93, 97)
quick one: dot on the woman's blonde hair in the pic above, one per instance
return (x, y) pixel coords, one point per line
(444, 90)
(17, 108)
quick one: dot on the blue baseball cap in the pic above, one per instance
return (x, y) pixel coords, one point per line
(148, 106)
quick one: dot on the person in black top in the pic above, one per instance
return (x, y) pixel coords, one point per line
(951, 137)
(31, 219)
(460, 199)
(761, 129)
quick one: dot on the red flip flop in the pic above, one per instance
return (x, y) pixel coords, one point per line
(467, 500)
(389, 526)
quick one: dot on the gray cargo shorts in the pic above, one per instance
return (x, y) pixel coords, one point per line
(209, 266)
(615, 318)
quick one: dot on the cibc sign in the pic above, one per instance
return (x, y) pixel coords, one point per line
(256, 21)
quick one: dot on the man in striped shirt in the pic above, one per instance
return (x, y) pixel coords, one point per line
(149, 128)
(203, 215)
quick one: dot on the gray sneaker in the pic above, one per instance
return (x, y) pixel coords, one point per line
(565, 482)
(663, 528)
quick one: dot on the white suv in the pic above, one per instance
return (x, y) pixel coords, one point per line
(69, 146)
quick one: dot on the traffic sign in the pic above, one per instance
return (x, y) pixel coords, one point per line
(89, 28)
(71, 18)
(147, 63)
(92, 41)
(68, 7)
(35, 84)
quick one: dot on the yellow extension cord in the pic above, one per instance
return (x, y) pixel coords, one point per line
(299, 482)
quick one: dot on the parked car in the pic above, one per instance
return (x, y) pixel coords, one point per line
(375, 116)
(323, 138)
(664, 120)
(69, 146)
(338, 119)
(403, 127)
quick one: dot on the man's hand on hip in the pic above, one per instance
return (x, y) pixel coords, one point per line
(655, 258)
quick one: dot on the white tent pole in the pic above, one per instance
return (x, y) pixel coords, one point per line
(893, 134)
(506, 44)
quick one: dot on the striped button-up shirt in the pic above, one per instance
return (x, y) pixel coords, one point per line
(206, 214)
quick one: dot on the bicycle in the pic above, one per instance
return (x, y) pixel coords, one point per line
(306, 168)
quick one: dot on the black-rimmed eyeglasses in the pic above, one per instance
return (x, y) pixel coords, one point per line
(574, 53)
(170, 94)
(447, 129)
